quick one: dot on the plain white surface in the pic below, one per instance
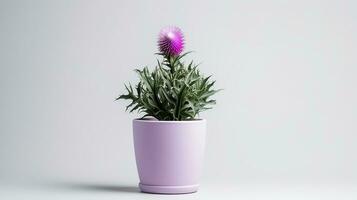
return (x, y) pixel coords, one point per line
(102, 191)
(287, 112)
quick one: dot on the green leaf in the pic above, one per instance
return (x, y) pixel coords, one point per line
(171, 91)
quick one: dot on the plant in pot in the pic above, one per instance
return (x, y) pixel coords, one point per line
(169, 139)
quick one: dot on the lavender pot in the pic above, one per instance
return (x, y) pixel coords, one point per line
(169, 155)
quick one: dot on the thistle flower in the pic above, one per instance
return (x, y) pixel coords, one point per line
(173, 91)
(171, 41)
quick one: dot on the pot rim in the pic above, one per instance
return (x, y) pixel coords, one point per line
(168, 122)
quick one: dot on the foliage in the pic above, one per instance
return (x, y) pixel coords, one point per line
(173, 91)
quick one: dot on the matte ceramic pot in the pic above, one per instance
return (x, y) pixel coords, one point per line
(169, 155)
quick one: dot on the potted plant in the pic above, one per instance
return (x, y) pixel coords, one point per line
(169, 146)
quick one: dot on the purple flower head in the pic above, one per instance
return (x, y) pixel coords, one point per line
(171, 41)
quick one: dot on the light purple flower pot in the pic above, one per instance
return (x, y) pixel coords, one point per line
(169, 155)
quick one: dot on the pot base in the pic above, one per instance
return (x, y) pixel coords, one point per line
(161, 189)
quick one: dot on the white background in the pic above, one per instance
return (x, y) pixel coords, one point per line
(287, 114)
